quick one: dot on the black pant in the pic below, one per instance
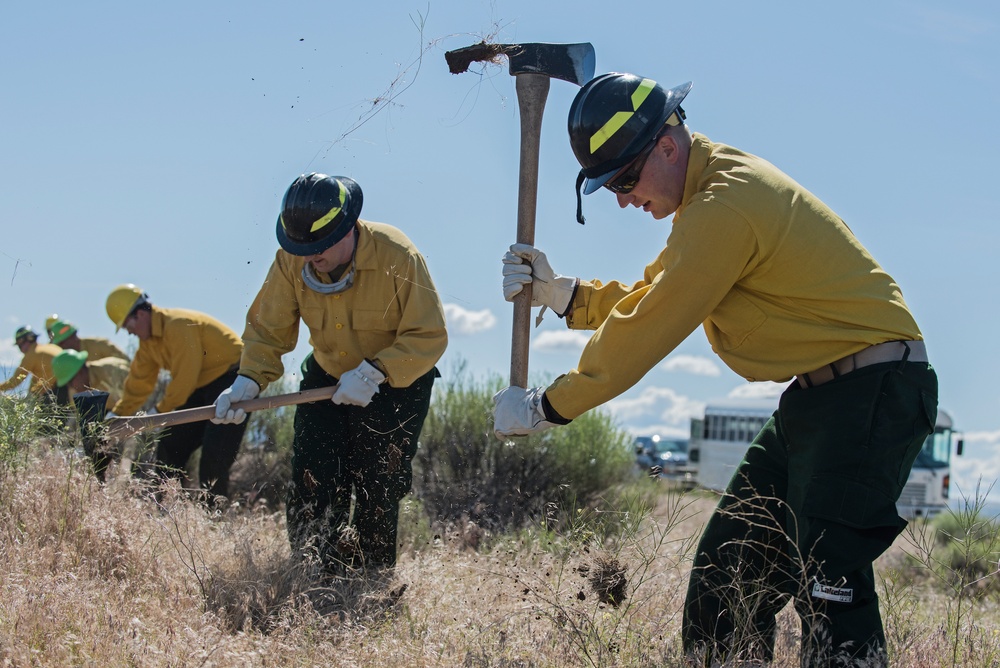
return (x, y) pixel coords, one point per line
(342, 450)
(810, 507)
(219, 443)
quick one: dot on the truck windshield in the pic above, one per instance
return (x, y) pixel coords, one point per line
(936, 453)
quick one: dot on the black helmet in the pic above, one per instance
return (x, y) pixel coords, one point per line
(24, 333)
(317, 212)
(614, 117)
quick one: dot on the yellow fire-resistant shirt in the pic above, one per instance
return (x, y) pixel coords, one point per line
(777, 280)
(195, 348)
(98, 349)
(37, 363)
(107, 375)
(392, 314)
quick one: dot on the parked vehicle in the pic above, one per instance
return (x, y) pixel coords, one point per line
(720, 438)
(664, 457)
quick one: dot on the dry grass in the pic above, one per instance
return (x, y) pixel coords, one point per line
(103, 575)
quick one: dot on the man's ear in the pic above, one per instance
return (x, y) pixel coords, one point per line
(670, 148)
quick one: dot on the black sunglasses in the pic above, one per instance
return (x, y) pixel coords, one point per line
(626, 180)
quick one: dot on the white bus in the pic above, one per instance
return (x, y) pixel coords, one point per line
(720, 439)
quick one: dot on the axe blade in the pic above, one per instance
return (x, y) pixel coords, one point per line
(570, 62)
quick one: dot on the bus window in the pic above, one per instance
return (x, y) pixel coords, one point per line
(936, 453)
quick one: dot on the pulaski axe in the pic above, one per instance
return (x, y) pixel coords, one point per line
(91, 407)
(532, 65)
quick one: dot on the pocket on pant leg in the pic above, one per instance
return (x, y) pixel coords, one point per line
(851, 502)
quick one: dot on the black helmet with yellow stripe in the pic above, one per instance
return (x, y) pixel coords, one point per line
(613, 118)
(317, 212)
(24, 333)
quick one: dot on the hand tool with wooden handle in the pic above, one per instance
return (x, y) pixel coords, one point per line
(533, 65)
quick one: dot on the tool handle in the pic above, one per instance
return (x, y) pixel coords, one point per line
(127, 426)
(532, 90)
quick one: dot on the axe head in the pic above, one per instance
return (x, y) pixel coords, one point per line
(570, 62)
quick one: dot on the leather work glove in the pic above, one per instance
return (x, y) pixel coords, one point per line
(242, 389)
(524, 264)
(358, 386)
(518, 412)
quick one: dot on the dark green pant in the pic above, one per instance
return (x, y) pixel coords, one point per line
(809, 509)
(343, 450)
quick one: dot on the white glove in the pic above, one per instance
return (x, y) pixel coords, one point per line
(518, 412)
(110, 415)
(357, 387)
(524, 264)
(242, 389)
(151, 411)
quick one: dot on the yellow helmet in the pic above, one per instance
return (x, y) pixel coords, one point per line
(66, 365)
(122, 301)
(51, 320)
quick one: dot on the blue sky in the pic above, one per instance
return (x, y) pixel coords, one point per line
(152, 142)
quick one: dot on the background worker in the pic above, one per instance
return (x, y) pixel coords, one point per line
(49, 322)
(64, 334)
(783, 291)
(202, 356)
(74, 371)
(37, 363)
(377, 329)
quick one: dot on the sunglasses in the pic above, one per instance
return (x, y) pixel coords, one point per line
(627, 179)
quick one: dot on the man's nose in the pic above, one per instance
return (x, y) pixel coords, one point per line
(624, 199)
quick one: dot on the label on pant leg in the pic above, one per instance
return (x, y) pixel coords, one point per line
(838, 594)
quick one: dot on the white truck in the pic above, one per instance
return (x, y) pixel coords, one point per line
(720, 438)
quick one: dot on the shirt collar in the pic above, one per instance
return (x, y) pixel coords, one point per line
(701, 151)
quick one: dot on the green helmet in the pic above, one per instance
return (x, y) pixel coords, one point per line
(614, 117)
(67, 364)
(317, 212)
(61, 330)
(25, 332)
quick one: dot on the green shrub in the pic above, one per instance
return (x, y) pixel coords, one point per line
(968, 549)
(464, 472)
(22, 420)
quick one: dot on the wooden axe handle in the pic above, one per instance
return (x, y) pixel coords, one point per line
(532, 90)
(128, 426)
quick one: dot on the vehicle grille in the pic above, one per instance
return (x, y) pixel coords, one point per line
(914, 494)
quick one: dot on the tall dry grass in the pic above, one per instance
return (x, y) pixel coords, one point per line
(106, 575)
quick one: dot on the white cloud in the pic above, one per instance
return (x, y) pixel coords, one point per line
(463, 321)
(693, 364)
(561, 341)
(986, 438)
(673, 408)
(977, 471)
(10, 357)
(763, 390)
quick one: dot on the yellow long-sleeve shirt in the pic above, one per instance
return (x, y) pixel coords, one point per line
(392, 313)
(194, 347)
(37, 363)
(98, 349)
(777, 280)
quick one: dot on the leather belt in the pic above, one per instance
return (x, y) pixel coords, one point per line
(890, 351)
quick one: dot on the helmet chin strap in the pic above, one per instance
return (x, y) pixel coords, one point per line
(314, 284)
(579, 198)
